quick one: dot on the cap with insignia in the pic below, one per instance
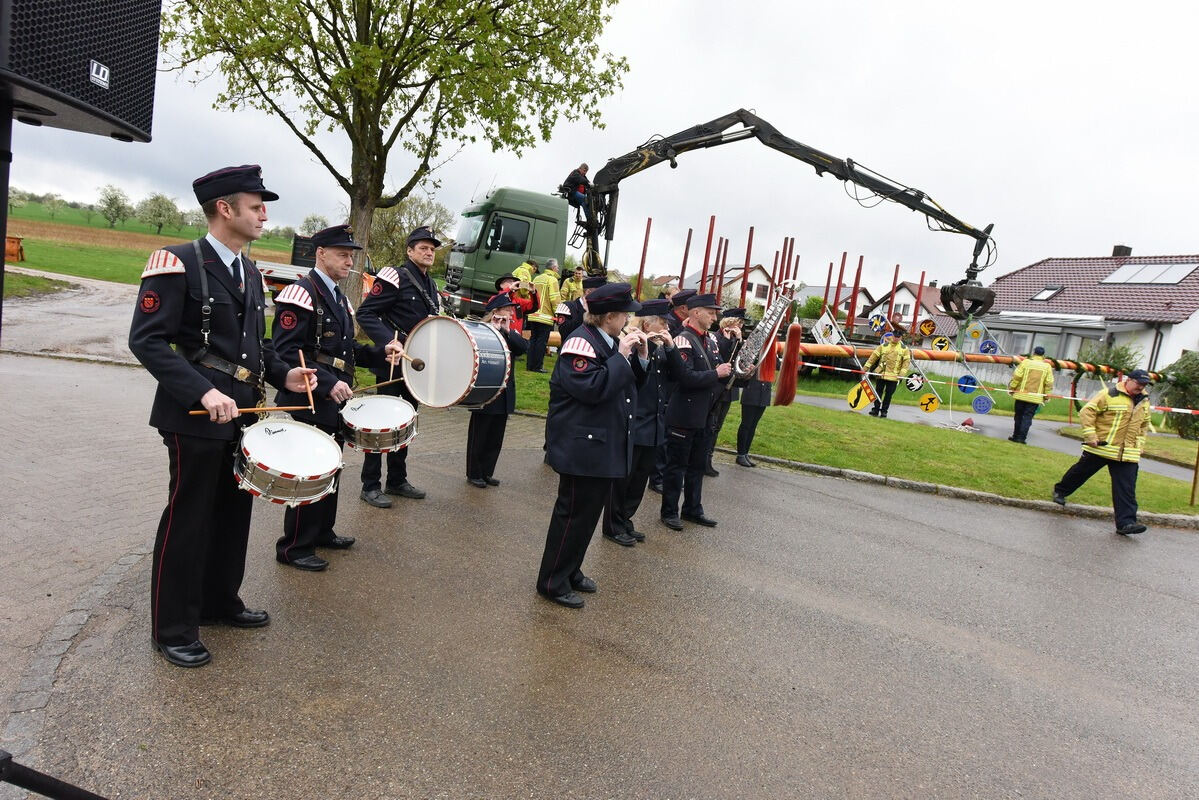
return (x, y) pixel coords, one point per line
(654, 308)
(1140, 376)
(499, 301)
(231, 180)
(681, 297)
(612, 297)
(702, 301)
(505, 277)
(595, 281)
(336, 236)
(423, 234)
(733, 312)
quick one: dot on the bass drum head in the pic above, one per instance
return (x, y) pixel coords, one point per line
(378, 413)
(450, 361)
(284, 445)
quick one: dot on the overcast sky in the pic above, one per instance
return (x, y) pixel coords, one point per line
(1069, 125)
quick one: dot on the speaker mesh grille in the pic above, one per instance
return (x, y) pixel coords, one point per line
(54, 42)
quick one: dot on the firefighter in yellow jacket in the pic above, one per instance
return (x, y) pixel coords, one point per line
(541, 319)
(1114, 423)
(893, 361)
(1031, 384)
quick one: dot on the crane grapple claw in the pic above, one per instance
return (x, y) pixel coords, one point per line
(966, 299)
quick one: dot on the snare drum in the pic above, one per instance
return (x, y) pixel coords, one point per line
(378, 423)
(287, 462)
(466, 362)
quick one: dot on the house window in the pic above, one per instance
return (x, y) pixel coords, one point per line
(1020, 343)
(1046, 293)
(903, 308)
(760, 292)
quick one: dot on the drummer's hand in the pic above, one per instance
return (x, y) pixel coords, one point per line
(340, 392)
(300, 379)
(394, 351)
(221, 408)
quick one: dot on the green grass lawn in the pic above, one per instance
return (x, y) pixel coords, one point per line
(917, 452)
(30, 285)
(1166, 447)
(86, 261)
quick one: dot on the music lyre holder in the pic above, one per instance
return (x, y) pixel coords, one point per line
(40, 782)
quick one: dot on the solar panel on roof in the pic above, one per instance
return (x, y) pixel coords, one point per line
(1161, 274)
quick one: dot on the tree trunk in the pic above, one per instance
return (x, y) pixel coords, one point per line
(362, 212)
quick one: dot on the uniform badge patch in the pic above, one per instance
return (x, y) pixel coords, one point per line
(579, 364)
(288, 320)
(149, 302)
(684, 355)
(377, 289)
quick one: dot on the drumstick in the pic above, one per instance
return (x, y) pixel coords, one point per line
(256, 410)
(307, 385)
(391, 373)
(417, 363)
(362, 389)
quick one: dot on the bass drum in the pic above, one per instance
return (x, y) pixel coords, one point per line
(466, 362)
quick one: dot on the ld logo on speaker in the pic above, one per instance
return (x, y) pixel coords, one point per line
(99, 74)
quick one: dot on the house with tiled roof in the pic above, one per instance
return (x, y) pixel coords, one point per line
(757, 284)
(1148, 302)
(907, 294)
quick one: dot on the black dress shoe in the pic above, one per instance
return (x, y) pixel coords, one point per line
(540, 371)
(338, 542)
(491, 481)
(711, 472)
(1060, 499)
(406, 489)
(246, 618)
(621, 538)
(482, 484)
(700, 519)
(638, 535)
(745, 462)
(674, 523)
(584, 584)
(568, 599)
(185, 655)
(656, 487)
(1129, 530)
(376, 498)
(309, 563)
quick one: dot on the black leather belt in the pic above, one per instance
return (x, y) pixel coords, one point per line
(238, 372)
(336, 363)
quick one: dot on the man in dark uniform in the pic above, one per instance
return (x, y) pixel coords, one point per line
(198, 329)
(592, 395)
(690, 415)
(569, 315)
(678, 310)
(313, 316)
(485, 434)
(399, 299)
(649, 428)
(755, 398)
(727, 339)
(674, 322)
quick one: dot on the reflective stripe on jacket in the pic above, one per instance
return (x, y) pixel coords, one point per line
(546, 284)
(892, 359)
(1118, 422)
(1032, 380)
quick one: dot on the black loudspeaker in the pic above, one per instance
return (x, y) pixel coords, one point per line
(83, 65)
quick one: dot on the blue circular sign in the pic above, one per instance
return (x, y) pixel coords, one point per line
(988, 346)
(967, 384)
(877, 322)
(983, 404)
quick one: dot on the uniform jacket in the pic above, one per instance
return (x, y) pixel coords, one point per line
(1118, 421)
(649, 420)
(302, 309)
(893, 360)
(546, 284)
(505, 402)
(592, 396)
(396, 302)
(697, 387)
(569, 317)
(756, 393)
(1032, 380)
(571, 289)
(525, 301)
(169, 313)
(725, 345)
(674, 323)
(524, 272)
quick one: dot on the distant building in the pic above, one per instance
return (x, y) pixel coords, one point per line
(757, 287)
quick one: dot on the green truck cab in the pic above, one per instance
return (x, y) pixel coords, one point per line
(495, 236)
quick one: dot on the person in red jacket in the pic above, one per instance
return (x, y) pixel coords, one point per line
(525, 299)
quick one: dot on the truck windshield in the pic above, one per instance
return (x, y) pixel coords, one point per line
(468, 232)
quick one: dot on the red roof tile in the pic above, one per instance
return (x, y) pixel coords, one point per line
(1083, 293)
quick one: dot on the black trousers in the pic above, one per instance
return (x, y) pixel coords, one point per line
(397, 460)
(750, 415)
(627, 493)
(686, 458)
(200, 549)
(484, 440)
(576, 511)
(539, 337)
(1124, 484)
(1024, 414)
(885, 390)
(304, 527)
(721, 411)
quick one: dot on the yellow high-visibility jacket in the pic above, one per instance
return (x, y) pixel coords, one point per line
(571, 289)
(1032, 380)
(546, 284)
(1118, 422)
(892, 358)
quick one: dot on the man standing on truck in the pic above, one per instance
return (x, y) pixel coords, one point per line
(399, 300)
(577, 187)
(541, 321)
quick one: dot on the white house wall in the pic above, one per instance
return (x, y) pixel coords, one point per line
(1183, 336)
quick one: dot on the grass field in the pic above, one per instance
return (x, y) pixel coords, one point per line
(1163, 446)
(30, 285)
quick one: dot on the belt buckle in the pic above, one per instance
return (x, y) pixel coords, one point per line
(339, 363)
(242, 374)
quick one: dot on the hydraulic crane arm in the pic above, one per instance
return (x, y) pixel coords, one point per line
(962, 299)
